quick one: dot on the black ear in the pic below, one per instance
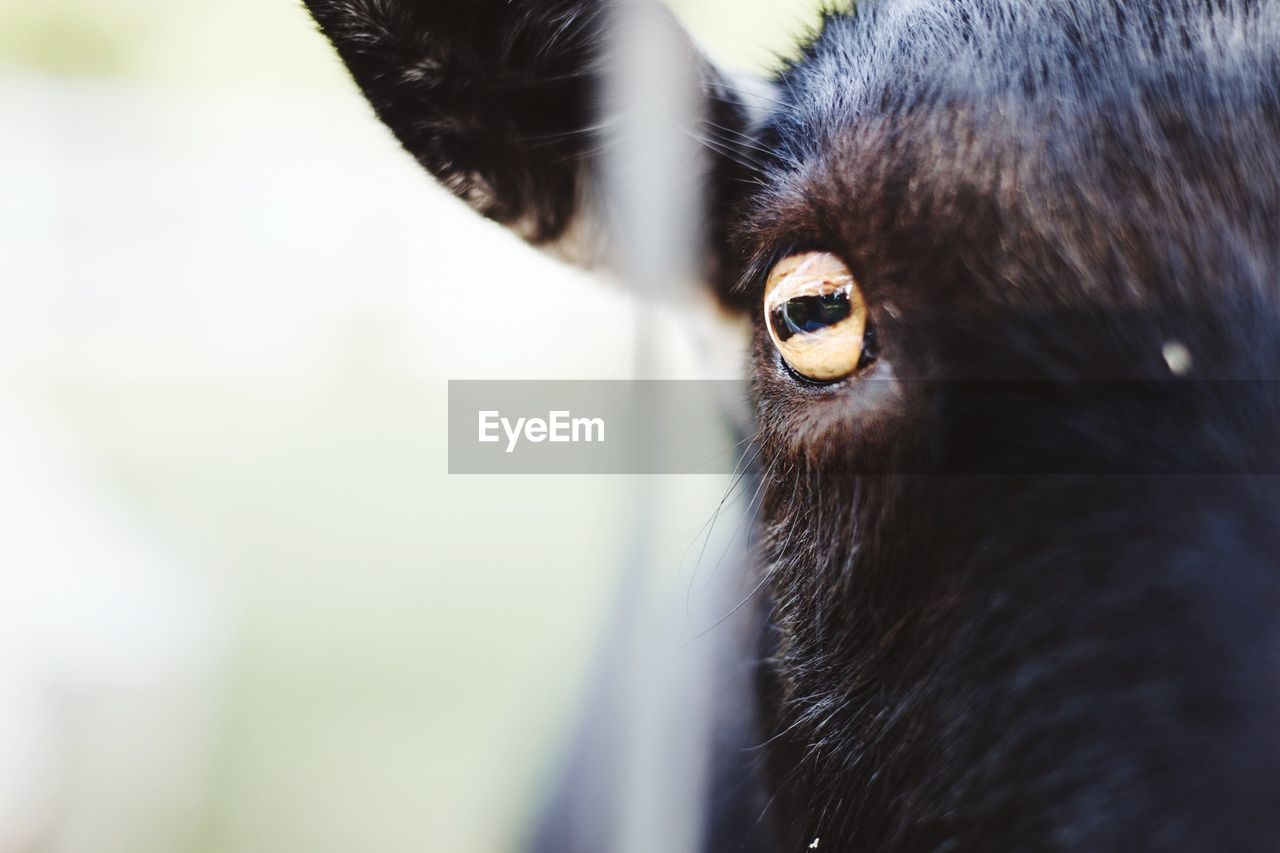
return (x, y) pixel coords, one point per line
(501, 100)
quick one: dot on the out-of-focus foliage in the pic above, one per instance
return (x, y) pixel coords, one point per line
(266, 43)
(259, 43)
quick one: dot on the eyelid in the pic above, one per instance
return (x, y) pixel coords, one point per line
(763, 258)
(816, 267)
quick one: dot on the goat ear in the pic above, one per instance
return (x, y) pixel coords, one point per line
(500, 101)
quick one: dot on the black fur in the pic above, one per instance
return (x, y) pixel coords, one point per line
(1043, 191)
(501, 100)
(492, 98)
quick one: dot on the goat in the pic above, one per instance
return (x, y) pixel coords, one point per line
(976, 633)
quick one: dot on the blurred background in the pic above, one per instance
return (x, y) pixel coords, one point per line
(243, 606)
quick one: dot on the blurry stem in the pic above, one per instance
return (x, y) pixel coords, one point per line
(657, 791)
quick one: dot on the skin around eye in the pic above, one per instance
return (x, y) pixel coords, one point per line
(816, 315)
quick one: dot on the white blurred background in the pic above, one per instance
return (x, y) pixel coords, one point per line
(242, 605)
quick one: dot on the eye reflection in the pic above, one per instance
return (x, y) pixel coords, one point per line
(807, 314)
(817, 316)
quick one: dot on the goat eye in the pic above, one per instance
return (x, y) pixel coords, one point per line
(817, 316)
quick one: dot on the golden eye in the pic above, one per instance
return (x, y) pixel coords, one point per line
(817, 316)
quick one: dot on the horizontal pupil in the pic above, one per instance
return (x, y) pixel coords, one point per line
(805, 314)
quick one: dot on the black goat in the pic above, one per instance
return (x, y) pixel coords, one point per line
(1055, 628)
